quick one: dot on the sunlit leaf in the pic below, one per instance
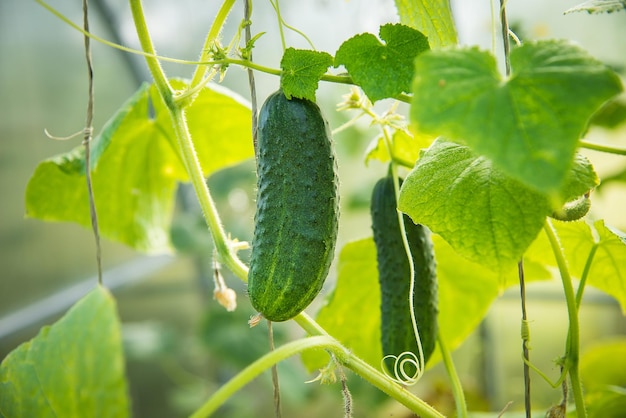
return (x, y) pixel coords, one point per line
(604, 363)
(404, 148)
(528, 124)
(431, 17)
(136, 166)
(599, 6)
(71, 369)
(484, 214)
(580, 241)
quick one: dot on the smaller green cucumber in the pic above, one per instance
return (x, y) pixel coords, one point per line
(394, 273)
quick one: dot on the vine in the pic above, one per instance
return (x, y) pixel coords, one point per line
(442, 173)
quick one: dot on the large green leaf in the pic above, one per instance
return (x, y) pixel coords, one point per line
(431, 17)
(484, 214)
(382, 70)
(74, 368)
(528, 124)
(135, 166)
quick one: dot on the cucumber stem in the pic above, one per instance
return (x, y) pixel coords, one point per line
(186, 149)
(457, 388)
(573, 341)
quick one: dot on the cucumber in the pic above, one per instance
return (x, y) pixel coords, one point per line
(297, 208)
(397, 334)
(573, 210)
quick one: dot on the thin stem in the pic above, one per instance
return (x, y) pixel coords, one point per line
(345, 392)
(573, 342)
(253, 104)
(214, 32)
(275, 381)
(274, 3)
(258, 367)
(457, 388)
(154, 65)
(505, 37)
(584, 275)
(602, 148)
(225, 251)
(525, 339)
(87, 142)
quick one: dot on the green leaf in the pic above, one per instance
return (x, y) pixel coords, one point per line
(404, 148)
(603, 369)
(482, 213)
(382, 70)
(611, 115)
(580, 240)
(528, 124)
(604, 364)
(302, 70)
(599, 6)
(72, 368)
(607, 271)
(135, 166)
(352, 312)
(431, 17)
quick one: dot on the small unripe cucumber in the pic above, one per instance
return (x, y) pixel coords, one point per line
(296, 210)
(394, 276)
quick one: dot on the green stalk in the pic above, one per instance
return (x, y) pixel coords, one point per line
(186, 149)
(573, 342)
(457, 388)
(603, 148)
(214, 32)
(160, 80)
(391, 388)
(585, 274)
(258, 367)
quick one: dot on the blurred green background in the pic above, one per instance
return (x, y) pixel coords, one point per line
(180, 345)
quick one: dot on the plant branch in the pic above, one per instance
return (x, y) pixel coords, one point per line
(525, 338)
(258, 367)
(573, 341)
(585, 274)
(216, 27)
(602, 148)
(505, 37)
(154, 64)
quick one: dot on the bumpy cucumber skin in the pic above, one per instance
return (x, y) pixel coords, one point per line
(394, 277)
(297, 208)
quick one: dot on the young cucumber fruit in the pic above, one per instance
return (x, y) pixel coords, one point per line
(394, 277)
(296, 210)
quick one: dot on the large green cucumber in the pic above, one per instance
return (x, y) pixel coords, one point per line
(297, 208)
(394, 275)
